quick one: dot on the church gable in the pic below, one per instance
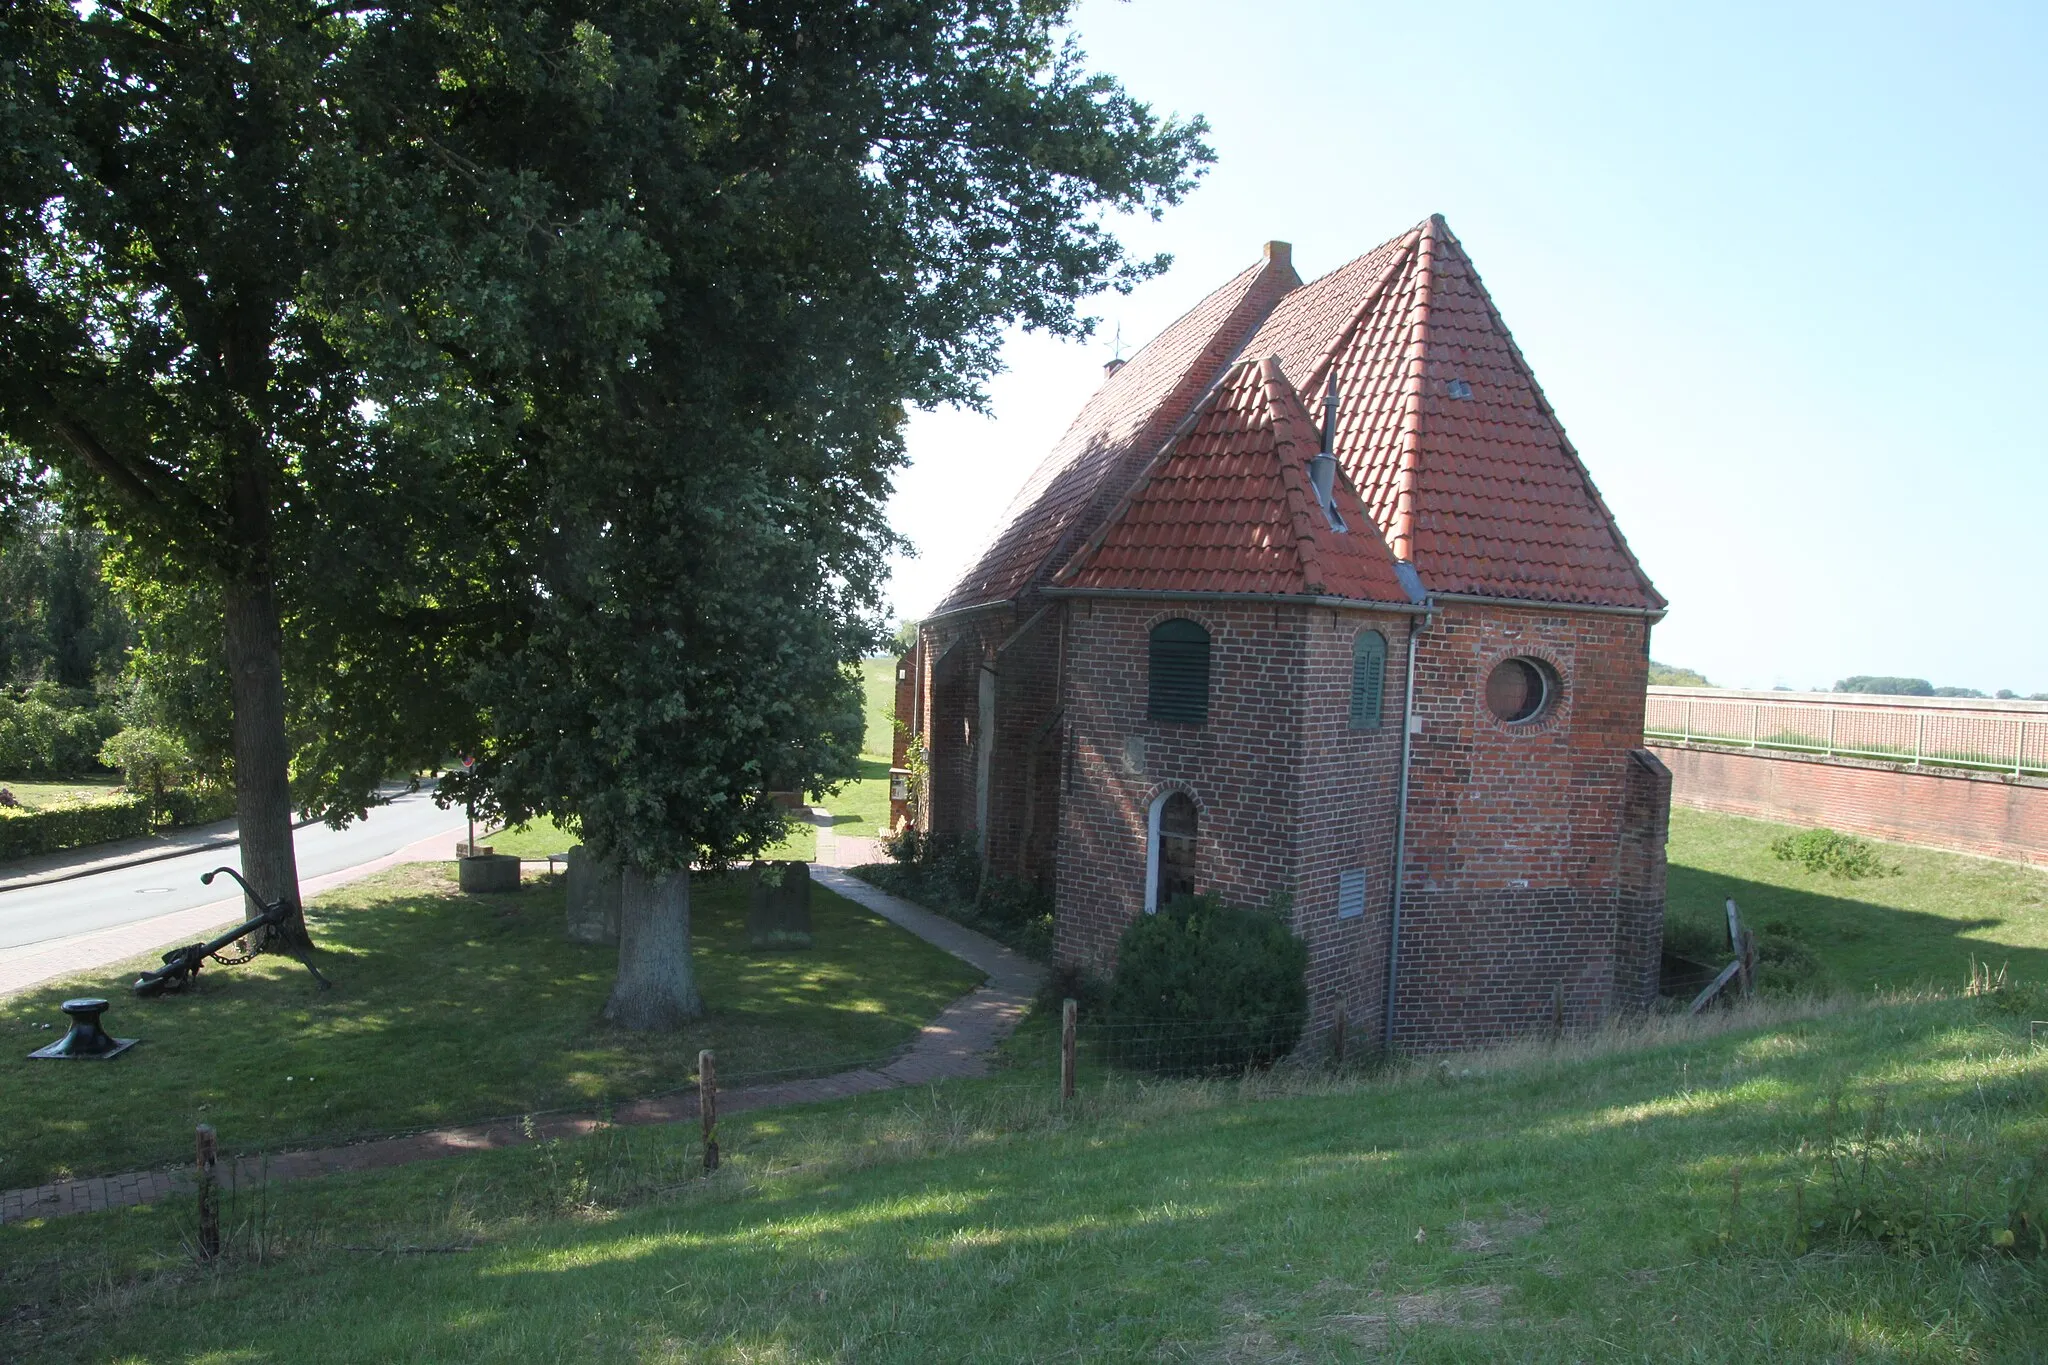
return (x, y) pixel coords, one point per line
(1229, 509)
(1121, 427)
(1446, 434)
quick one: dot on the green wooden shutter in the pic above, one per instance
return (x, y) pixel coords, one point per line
(1179, 674)
(1368, 679)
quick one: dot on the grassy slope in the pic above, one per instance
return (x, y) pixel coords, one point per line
(446, 1007)
(45, 795)
(1917, 929)
(1560, 1207)
(861, 807)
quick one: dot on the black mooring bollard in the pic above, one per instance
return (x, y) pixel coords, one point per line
(86, 1039)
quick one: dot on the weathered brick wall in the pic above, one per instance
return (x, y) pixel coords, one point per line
(1350, 797)
(954, 652)
(1289, 795)
(1241, 768)
(1639, 899)
(1969, 813)
(1022, 655)
(1514, 830)
(1024, 774)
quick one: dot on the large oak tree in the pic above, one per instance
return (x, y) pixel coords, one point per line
(599, 319)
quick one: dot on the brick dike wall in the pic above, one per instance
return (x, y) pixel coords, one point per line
(1516, 833)
(1966, 813)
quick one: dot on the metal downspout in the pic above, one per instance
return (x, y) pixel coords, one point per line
(1401, 833)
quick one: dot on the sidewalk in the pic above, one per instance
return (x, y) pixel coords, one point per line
(25, 968)
(955, 1044)
(841, 850)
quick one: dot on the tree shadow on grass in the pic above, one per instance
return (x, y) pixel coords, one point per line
(446, 1008)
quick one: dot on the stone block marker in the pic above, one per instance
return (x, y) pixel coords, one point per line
(593, 898)
(488, 872)
(779, 905)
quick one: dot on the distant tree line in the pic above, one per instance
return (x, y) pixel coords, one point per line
(1667, 675)
(1877, 685)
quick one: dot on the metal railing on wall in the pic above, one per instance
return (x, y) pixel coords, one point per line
(2004, 740)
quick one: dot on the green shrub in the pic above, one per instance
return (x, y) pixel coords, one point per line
(1838, 855)
(943, 873)
(1204, 986)
(149, 757)
(25, 834)
(1784, 961)
(49, 731)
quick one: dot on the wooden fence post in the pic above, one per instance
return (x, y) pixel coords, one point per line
(209, 1194)
(1068, 1009)
(707, 1105)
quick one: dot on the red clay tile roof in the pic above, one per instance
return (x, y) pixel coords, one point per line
(1229, 509)
(1446, 433)
(1122, 427)
(1443, 431)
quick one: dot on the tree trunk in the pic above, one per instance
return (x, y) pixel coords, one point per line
(657, 986)
(263, 795)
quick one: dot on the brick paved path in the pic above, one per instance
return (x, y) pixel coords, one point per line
(955, 1044)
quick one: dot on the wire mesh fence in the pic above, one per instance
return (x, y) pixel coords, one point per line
(1191, 1047)
(1988, 740)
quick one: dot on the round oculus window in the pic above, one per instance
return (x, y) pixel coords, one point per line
(1521, 690)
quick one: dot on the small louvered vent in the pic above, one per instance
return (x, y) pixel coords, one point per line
(1179, 690)
(1368, 679)
(1351, 893)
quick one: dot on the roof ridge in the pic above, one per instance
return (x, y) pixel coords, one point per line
(1571, 452)
(1401, 541)
(1407, 241)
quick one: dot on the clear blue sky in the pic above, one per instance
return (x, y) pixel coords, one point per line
(1782, 270)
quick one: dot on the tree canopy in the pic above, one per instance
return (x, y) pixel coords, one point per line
(527, 378)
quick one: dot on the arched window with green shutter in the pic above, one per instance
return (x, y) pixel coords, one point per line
(1368, 679)
(1178, 692)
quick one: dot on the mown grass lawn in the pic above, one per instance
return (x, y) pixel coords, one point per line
(48, 795)
(1633, 1203)
(1917, 929)
(446, 1007)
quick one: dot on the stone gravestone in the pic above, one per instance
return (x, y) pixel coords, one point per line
(779, 905)
(593, 898)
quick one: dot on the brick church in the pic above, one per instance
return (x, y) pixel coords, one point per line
(1315, 605)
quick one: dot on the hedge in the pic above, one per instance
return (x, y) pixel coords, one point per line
(24, 834)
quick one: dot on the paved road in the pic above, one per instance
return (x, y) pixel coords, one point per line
(36, 914)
